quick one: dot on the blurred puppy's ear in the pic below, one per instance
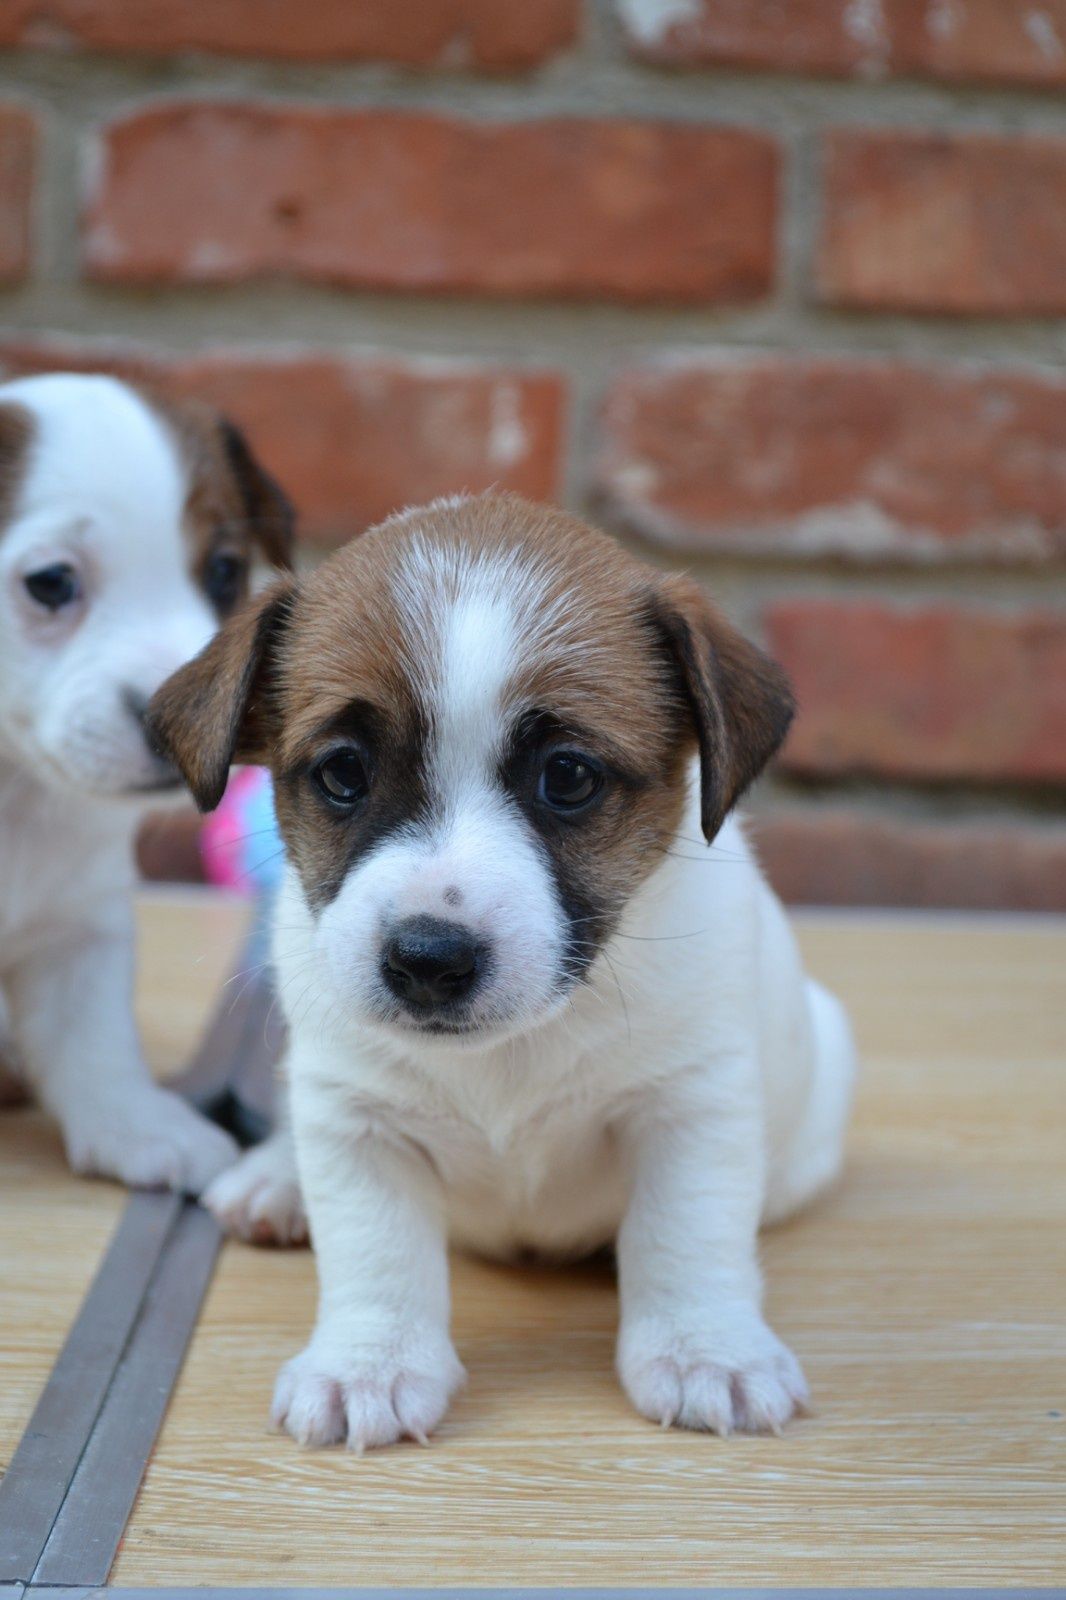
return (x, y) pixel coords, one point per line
(16, 435)
(271, 519)
(739, 699)
(219, 707)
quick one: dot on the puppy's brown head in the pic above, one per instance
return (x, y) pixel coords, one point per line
(479, 718)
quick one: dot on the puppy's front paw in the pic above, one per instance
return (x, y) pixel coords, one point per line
(148, 1139)
(726, 1376)
(259, 1199)
(400, 1390)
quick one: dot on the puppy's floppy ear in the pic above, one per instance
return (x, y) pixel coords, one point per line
(269, 510)
(16, 432)
(740, 701)
(218, 708)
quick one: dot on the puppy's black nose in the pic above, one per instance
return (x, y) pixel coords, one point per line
(429, 963)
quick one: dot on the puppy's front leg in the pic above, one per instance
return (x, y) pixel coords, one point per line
(693, 1347)
(380, 1365)
(71, 1006)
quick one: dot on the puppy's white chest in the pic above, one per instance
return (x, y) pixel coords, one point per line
(55, 867)
(554, 1188)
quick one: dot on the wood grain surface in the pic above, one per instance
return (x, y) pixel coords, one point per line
(54, 1226)
(926, 1298)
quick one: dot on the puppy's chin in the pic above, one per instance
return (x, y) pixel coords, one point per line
(467, 1036)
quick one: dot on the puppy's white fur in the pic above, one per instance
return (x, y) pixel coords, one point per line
(103, 489)
(693, 1087)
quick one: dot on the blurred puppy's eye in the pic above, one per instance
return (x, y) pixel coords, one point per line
(54, 587)
(569, 780)
(223, 581)
(342, 777)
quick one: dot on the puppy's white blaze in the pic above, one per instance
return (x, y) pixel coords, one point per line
(466, 622)
(477, 659)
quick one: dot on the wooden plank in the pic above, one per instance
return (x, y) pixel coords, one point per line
(927, 1299)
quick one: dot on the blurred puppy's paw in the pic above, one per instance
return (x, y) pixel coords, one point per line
(148, 1139)
(259, 1199)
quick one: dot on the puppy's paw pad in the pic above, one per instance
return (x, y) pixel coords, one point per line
(365, 1403)
(259, 1200)
(726, 1384)
(154, 1141)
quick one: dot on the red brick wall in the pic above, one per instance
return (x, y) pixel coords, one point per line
(776, 289)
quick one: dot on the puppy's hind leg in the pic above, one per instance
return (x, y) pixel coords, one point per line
(259, 1199)
(816, 1151)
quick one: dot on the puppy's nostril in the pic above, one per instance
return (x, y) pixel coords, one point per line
(428, 962)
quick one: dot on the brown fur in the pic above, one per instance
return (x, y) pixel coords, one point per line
(645, 668)
(233, 507)
(16, 433)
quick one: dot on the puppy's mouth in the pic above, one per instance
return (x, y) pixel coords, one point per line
(475, 1029)
(434, 1025)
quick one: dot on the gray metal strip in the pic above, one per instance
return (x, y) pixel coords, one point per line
(208, 1593)
(121, 1358)
(37, 1479)
(86, 1535)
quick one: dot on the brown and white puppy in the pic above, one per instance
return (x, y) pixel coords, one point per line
(128, 526)
(539, 995)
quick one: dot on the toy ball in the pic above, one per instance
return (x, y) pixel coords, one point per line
(240, 844)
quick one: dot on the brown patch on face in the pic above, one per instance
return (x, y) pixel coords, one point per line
(16, 434)
(234, 508)
(347, 682)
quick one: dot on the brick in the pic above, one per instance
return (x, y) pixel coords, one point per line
(958, 223)
(835, 856)
(821, 856)
(941, 692)
(632, 211)
(866, 459)
(17, 148)
(956, 41)
(353, 439)
(453, 33)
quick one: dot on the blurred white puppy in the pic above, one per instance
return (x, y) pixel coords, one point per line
(540, 996)
(127, 528)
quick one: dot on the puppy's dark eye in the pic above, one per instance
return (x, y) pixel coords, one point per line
(53, 587)
(342, 777)
(569, 781)
(223, 581)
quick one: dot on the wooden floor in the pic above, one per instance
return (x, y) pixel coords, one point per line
(926, 1298)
